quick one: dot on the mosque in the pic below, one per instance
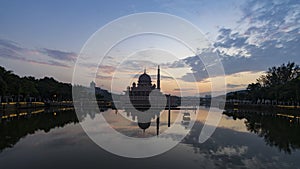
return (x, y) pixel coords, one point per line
(139, 93)
(144, 101)
(143, 96)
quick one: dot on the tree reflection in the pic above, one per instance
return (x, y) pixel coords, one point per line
(12, 130)
(278, 130)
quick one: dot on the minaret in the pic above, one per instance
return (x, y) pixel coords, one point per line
(158, 78)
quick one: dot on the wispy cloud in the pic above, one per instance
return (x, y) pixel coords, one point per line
(162, 77)
(101, 77)
(268, 29)
(268, 34)
(138, 64)
(183, 89)
(106, 69)
(60, 55)
(233, 86)
(12, 50)
(176, 64)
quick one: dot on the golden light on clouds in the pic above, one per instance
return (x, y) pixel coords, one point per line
(172, 82)
(237, 81)
(242, 79)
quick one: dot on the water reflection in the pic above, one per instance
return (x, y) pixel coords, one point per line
(279, 130)
(58, 132)
(14, 126)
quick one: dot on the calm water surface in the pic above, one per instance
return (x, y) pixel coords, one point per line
(55, 139)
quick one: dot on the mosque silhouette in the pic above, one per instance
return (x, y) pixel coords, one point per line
(145, 100)
(140, 94)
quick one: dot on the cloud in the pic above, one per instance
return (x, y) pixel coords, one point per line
(268, 34)
(227, 39)
(231, 43)
(137, 65)
(55, 63)
(231, 150)
(232, 86)
(175, 64)
(101, 77)
(198, 68)
(194, 77)
(106, 69)
(183, 89)
(10, 45)
(162, 77)
(12, 50)
(268, 26)
(60, 55)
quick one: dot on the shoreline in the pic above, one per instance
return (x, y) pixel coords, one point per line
(260, 106)
(10, 106)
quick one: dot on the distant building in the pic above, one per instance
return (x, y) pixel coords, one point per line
(174, 102)
(208, 96)
(92, 85)
(101, 93)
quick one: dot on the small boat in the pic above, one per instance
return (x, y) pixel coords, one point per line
(186, 117)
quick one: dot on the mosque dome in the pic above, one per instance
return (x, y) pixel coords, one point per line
(144, 79)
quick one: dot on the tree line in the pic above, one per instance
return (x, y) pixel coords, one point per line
(28, 88)
(279, 85)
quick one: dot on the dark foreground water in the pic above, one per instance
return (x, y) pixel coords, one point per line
(55, 139)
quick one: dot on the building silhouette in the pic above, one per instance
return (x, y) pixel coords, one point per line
(140, 93)
(142, 96)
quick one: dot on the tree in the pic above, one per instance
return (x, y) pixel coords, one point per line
(254, 91)
(21, 87)
(280, 75)
(279, 84)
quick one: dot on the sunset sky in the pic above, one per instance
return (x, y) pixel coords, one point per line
(44, 38)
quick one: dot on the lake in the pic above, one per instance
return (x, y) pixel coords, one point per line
(243, 139)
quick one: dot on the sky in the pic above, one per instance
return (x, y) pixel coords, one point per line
(46, 38)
